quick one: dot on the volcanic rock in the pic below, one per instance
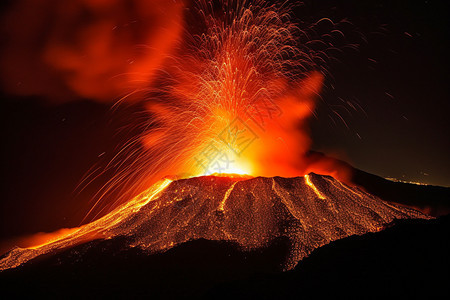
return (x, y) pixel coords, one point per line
(308, 211)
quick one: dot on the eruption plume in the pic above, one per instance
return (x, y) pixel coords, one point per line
(92, 49)
(231, 94)
(234, 98)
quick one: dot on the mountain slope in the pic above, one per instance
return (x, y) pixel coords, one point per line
(432, 200)
(308, 212)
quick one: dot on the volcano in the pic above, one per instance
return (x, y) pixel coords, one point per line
(308, 211)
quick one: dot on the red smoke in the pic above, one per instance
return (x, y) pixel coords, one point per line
(94, 49)
(283, 148)
(238, 67)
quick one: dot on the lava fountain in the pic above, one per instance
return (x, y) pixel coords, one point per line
(235, 97)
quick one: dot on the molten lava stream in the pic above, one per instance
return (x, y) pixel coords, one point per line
(70, 237)
(235, 99)
(309, 211)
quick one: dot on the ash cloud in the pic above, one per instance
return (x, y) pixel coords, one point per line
(98, 50)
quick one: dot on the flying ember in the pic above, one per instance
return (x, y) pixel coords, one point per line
(232, 100)
(173, 148)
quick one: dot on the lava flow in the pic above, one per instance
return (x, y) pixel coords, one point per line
(310, 211)
(235, 98)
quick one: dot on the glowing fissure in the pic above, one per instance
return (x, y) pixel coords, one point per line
(227, 194)
(94, 230)
(234, 98)
(313, 187)
(258, 211)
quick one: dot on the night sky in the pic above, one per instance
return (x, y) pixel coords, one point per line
(404, 132)
(401, 130)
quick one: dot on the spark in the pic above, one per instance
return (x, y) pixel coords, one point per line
(233, 99)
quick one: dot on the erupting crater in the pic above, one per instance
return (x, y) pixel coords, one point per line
(309, 211)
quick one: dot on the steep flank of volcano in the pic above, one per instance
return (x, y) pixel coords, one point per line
(309, 211)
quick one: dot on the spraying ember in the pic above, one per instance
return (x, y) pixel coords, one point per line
(233, 98)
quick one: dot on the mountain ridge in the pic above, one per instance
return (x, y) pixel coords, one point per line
(309, 211)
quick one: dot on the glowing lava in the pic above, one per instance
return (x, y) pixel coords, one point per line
(234, 98)
(97, 229)
(310, 211)
(311, 185)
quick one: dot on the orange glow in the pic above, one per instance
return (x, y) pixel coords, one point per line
(311, 185)
(98, 50)
(310, 212)
(238, 85)
(233, 100)
(232, 175)
(34, 241)
(42, 244)
(38, 240)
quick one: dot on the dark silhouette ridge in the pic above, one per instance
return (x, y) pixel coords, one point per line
(408, 259)
(432, 200)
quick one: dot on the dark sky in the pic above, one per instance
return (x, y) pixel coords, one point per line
(401, 128)
(400, 79)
